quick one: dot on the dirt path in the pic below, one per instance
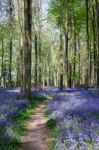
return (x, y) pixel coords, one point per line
(37, 138)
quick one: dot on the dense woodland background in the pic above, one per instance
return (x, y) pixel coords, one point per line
(49, 43)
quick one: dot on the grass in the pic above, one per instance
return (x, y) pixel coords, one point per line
(19, 125)
(53, 131)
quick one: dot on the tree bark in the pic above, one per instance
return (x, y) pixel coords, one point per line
(36, 61)
(21, 24)
(87, 43)
(97, 13)
(10, 63)
(94, 44)
(11, 42)
(61, 60)
(27, 47)
(75, 53)
(2, 69)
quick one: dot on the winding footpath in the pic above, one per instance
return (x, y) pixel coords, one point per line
(37, 137)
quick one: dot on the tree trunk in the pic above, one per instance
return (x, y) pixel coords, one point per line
(94, 44)
(79, 47)
(11, 42)
(2, 69)
(36, 62)
(75, 54)
(10, 63)
(61, 60)
(70, 76)
(87, 43)
(27, 47)
(40, 61)
(66, 57)
(21, 24)
(97, 13)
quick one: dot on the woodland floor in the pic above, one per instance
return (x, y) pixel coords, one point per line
(37, 136)
(73, 117)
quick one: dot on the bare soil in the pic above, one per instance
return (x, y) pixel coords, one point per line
(37, 135)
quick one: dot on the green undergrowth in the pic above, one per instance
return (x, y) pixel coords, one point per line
(53, 131)
(19, 125)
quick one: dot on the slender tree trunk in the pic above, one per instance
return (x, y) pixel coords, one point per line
(4, 77)
(87, 43)
(10, 63)
(97, 13)
(11, 42)
(21, 24)
(66, 57)
(21, 64)
(79, 47)
(40, 61)
(94, 44)
(61, 61)
(36, 62)
(75, 54)
(18, 70)
(2, 69)
(70, 76)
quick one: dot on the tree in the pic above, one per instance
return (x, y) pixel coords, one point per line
(27, 48)
(21, 40)
(97, 15)
(11, 41)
